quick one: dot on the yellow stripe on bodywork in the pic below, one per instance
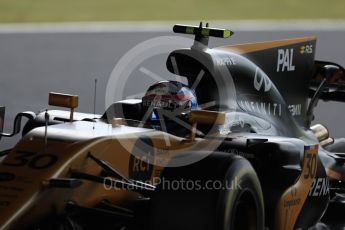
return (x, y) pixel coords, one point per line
(291, 202)
(254, 47)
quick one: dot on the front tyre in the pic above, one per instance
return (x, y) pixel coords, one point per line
(242, 207)
(236, 204)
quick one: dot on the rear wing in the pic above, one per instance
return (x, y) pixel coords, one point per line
(334, 86)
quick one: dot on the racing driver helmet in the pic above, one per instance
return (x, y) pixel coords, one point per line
(170, 101)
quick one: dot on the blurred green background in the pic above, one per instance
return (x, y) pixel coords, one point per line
(121, 10)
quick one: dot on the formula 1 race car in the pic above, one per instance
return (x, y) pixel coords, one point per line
(249, 160)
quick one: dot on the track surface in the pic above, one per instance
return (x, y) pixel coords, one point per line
(33, 64)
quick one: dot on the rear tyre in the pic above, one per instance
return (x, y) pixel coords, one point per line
(221, 192)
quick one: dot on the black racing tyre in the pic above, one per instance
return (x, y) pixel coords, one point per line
(220, 192)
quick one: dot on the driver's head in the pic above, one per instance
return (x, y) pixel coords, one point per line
(169, 99)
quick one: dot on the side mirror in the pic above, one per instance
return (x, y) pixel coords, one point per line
(205, 117)
(331, 73)
(64, 100)
(327, 74)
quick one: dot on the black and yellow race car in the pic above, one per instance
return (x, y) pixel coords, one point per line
(249, 160)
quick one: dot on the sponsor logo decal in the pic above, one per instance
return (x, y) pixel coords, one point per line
(293, 202)
(261, 81)
(285, 60)
(319, 187)
(307, 49)
(264, 108)
(238, 152)
(142, 160)
(230, 61)
(296, 110)
(268, 108)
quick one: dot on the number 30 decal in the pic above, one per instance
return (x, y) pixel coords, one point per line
(311, 166)
(32, 160)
